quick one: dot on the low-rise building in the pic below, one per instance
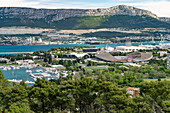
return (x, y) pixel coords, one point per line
(126, 49)
(162, 53)
(4, 60)
(25, 62)
(133, 91)
(148, 47)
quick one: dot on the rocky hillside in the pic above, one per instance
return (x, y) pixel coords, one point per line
(58, 14)
(118, 16)
(120, 10)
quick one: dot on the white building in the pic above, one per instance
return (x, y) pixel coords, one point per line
(129, 48)
(148, 47)
(79, 54)
(109, 49)
(25, 62)
(162, 53)
(4, 60)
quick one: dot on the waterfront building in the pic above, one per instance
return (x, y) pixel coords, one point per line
(125, 49)
(4, 60)
(148, 47)
(109, 49)
(25, 62)
(164, 45)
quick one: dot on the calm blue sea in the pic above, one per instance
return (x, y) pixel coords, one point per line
(17, 74)
(33, 48)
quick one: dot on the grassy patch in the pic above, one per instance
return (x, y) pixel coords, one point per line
(149, 80)
(94, 68)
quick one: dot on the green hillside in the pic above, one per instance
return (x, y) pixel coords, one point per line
(110, 34)
(88, 22)
(110, 22)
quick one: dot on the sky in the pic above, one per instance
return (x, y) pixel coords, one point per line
(159, 7)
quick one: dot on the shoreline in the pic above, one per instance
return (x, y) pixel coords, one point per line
(78, 44)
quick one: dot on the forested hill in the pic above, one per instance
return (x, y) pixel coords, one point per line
(118, 16)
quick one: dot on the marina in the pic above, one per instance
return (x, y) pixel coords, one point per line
(30, 73)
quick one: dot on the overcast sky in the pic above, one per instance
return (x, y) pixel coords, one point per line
(159, 7)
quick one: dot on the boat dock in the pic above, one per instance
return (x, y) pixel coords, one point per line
(18, 81)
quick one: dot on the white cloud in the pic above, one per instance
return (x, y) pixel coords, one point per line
(160, 8)
(17, 3)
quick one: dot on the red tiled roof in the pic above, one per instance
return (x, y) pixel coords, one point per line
(131, 88)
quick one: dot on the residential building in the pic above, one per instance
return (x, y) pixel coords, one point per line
(133, 91)
(162, 53)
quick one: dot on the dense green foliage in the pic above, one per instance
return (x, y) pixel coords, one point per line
(88, 22)
(95, 88)
(109, 34)
(83, 95)
(110, 22)
(113, 34)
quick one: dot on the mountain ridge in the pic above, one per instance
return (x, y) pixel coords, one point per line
(113, 17)
(59, 14)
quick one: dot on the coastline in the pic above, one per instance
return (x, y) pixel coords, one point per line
(33, 48)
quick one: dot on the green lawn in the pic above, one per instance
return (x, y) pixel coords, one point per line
(95, 67)
(149, 80)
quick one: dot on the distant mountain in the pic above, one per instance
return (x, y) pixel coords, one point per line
(118, 16)
(165, 19)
